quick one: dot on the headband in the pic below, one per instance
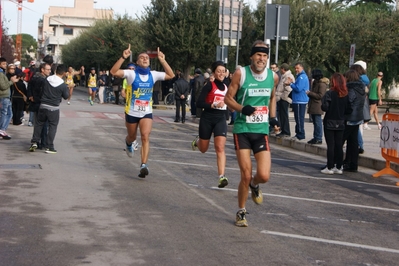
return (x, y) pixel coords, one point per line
(260, 49)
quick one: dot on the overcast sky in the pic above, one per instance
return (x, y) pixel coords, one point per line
(32, 12)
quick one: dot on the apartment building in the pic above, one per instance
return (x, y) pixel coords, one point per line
(62, 24)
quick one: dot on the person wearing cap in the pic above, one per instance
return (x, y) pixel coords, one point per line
(213, 119)
(138, 109)
(375, 97)
(92, 85)
(252, 94)
(18, 69)
(69, 80)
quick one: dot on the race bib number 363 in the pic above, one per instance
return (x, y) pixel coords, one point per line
(142, 106)
(261, 115)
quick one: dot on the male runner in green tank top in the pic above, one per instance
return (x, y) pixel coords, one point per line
(375, 97)
(254, 88)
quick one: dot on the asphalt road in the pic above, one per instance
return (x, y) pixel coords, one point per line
(86, 205)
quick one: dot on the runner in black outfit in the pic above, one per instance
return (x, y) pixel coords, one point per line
(213, 119)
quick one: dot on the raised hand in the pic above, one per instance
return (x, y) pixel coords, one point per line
(161, 56)
(126, 53)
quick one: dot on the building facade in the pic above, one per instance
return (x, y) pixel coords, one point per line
(62, 24)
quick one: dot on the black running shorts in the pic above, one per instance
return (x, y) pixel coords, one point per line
(210, 123)
(253, 141)
(133, 120)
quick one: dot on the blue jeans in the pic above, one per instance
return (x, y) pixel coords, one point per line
(233, 116)
(317, 127)
(6, 113)
(299, 115)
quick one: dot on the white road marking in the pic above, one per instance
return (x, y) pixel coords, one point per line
(113, 116)
(329, 241)
(84, 114)
(322, 201)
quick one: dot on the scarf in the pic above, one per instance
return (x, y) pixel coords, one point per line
(143, 71)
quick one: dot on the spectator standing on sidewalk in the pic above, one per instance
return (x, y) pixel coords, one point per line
(254, 89)
(299, 100)
(182, 89)
(357, 94)
(102, 83)
(116, 87)
(360, 68)
(336, 104)
(198, 83)
(283, 100)
(35, 91)
(18, 100)
(375, 97)
(54, 90)
(317, 91)
(5, 100)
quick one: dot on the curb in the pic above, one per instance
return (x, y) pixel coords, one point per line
(364, 161)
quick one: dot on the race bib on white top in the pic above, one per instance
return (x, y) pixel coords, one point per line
(261, 115)
(141, 105)
(219, 99)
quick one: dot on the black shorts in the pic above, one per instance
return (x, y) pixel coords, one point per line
(253, 141)
(373, 102)
(209, 124)
(133, 120)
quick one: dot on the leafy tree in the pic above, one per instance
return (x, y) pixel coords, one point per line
(101, 45)
(29, 48)
(185, 32)
(7, 46)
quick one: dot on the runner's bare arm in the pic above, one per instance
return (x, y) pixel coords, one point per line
(232, 91)
(272, 104)
(168, 70)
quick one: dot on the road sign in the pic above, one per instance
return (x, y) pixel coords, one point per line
(352, 54)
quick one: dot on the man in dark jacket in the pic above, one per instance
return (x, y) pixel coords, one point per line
(182, 88)
(198, 84)
(54, 90)
(35, 90)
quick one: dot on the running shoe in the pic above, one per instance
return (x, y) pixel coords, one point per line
(69, 103)
(51, 151)
(135, 145)
(240, 218)
(30, 124)
(91, 102)
(129, 150)
(194, 143)
(223, 181)
(256, 194)
(33, 147)
(366, 127)
(143, 170)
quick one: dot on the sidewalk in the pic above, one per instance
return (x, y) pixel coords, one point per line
(371, 158)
